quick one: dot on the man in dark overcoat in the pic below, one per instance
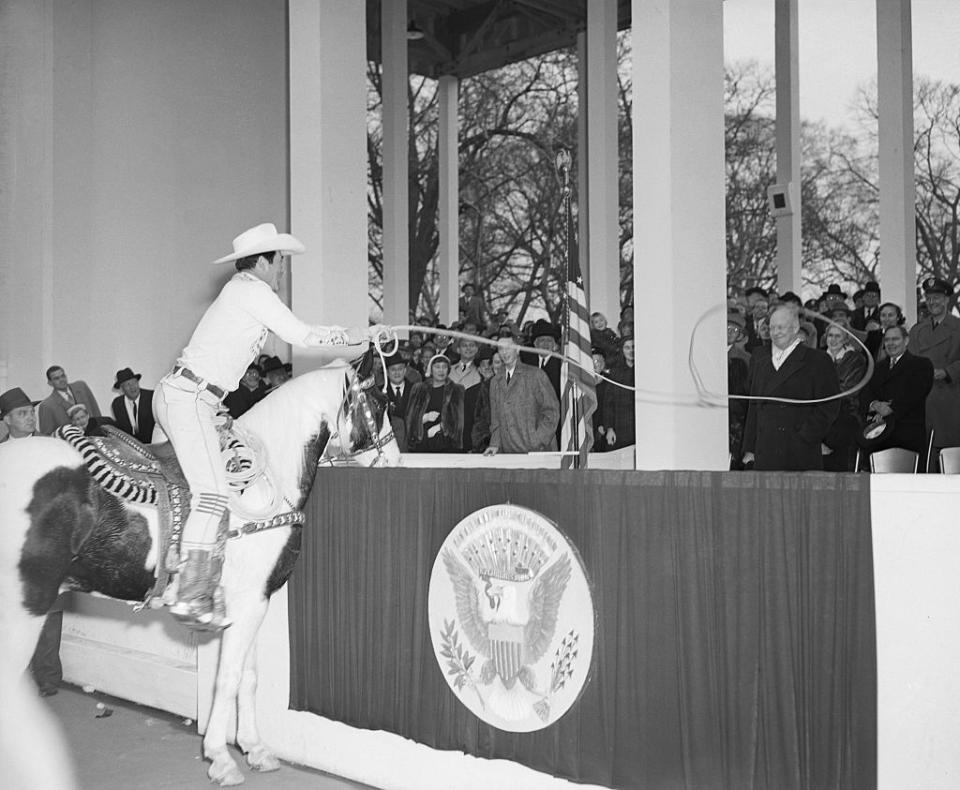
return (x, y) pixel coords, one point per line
(899, 389)
(782, 435)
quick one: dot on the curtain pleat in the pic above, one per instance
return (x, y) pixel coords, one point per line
(735, 641)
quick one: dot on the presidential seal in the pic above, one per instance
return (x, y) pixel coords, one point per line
(511, 617)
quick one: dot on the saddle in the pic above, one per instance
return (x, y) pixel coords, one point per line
(142, 475)
(151, 475)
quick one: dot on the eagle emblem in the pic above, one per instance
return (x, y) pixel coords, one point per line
(508, 588)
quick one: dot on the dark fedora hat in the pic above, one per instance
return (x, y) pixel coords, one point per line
(125, 374)
(486, 352)
(14, 399)
(543, 328)
(875, 434)
(833, 292)
(271, 364)
(872, 287)
(396, 358)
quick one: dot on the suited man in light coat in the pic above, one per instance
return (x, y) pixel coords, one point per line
(899, 388)
(937, 337)
(52, 412)
(524, 411)
(788, 436)
(133, 410)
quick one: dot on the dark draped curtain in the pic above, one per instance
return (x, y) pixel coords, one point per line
(735, 643)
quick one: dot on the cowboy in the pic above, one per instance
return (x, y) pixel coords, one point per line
(229, 336)
(133, 408)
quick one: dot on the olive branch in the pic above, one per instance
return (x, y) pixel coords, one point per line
(459, 660)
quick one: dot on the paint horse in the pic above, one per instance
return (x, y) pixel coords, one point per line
(60, 530)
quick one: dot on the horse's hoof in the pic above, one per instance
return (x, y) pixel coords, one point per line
(225, 775)
(259, 759)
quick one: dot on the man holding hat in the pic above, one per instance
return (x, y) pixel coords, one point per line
(937, 337)
(133, 409)
(228, 338)
(18, 414)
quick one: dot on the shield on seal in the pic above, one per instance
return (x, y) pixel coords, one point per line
(506, 648)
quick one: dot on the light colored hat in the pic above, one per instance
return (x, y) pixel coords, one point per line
(262, 238)
(75, 408)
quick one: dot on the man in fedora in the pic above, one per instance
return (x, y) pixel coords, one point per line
(276, 372)
(133, 410)
(250, 392)
(228, 338)
(53, 411)
(937, 337)
(870, 310)
(18, 420)
(18, 414)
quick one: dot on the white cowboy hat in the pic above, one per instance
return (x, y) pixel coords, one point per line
(262, 238)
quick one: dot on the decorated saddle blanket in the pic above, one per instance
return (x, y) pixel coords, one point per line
(143, 475)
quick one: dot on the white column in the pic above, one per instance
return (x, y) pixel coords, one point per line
(789, 264)
(396, 202)
(449, 252)
(603, 181)
(898, 241)
(328, 165)
(679, 259)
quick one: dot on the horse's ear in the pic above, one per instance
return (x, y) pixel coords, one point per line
(364, 365)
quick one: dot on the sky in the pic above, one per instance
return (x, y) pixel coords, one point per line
(838, 47)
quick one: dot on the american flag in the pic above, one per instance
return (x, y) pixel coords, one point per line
(579, 399)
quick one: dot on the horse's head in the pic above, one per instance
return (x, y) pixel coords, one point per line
(366, 437)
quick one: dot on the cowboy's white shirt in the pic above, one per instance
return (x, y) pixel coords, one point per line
(233, 330)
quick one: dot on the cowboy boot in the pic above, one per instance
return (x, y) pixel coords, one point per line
(199, 600)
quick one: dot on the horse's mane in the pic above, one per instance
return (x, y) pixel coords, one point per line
(291, 416)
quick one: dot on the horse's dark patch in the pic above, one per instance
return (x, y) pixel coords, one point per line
(285, 562)
(61, 512)
(312, 451)
(111, 560)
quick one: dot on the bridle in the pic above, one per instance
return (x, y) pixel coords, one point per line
(357, 400)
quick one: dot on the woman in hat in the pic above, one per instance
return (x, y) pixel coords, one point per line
(228, 338)
(435, 413)
(851, 366)
(91, 426)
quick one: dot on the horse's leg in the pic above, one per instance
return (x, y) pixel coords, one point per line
(246, 611)
(259, 757)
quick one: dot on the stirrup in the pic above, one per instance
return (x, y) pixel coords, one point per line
(200, 604)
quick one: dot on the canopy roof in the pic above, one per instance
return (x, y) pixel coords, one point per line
(467, 37)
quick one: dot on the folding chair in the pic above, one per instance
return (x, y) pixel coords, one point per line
(950, 460)
(894, 459)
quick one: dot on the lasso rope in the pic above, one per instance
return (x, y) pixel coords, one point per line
(703, 398)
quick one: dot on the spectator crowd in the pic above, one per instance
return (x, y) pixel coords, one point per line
(792, 362)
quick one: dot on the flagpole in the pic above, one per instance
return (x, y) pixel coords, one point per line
(563, 163)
